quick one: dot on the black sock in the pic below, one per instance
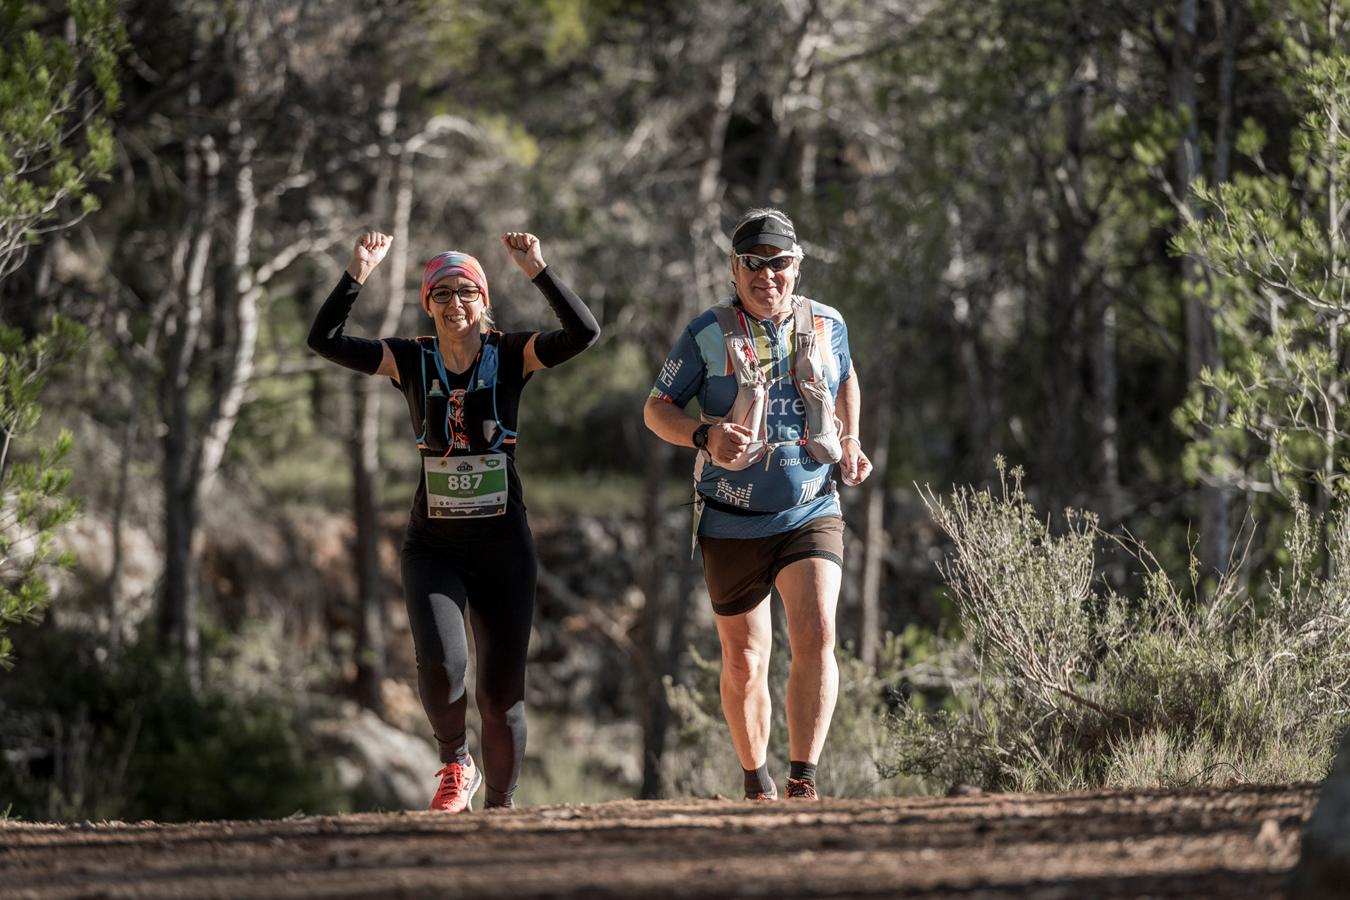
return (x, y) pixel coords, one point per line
(802, 771)
(494, 797)
(757, 781)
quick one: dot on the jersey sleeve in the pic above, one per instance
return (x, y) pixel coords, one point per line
(839, 346)
(681, 374)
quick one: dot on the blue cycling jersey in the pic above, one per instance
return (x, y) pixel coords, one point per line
(788, 487)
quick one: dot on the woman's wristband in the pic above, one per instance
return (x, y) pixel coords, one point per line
(850, 437)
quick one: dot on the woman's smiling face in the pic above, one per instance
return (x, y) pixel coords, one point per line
(449, 308)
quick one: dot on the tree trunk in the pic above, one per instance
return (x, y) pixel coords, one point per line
(972, 360)
(1201, 346)
(1064, 314)
(661, 624)
(1335, 253)
(653, 632)
(112, 588)
(784, 101)
(878, 425)
(371, 641)
(236, 299)
(177, 620)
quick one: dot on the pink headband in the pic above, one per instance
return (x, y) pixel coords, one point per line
(452, 262)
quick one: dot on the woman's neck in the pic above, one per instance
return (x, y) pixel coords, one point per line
(459, 350)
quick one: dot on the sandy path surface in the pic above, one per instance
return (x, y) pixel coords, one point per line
(1240, 842)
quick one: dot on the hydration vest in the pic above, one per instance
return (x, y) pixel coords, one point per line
(480, 401)
(820, 434)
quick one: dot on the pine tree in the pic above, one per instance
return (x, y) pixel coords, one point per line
(1280, 243)
(58, 78)
(33, 501)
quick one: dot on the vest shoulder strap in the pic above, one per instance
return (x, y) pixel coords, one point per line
(727, 320)
(808, 361)
(739, 346)
(803, 322)
(489, 363)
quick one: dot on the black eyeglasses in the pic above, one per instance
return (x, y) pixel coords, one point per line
(754, 262)
(465, 295)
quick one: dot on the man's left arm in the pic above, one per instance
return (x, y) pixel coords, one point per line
(854, 466)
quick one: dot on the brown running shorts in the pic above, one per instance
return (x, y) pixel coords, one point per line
(740, 572)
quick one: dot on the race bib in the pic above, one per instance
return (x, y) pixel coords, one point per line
(461, 487)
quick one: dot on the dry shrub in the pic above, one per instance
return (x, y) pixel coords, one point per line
(1073, 685)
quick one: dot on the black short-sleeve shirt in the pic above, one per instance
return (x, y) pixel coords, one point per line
(463, 421)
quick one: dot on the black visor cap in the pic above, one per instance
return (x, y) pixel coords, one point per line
(769, 230)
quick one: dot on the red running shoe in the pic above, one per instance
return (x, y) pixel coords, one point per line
(763, 795)
(801, 789)
(459, 781)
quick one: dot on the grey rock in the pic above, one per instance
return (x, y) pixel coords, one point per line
(1323, 868)
(382, 766)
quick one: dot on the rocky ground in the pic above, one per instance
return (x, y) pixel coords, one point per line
(1239, 842)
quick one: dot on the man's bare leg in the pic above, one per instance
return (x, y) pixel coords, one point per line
(746, 642)
(810, 591)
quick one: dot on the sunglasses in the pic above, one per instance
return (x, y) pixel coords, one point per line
(464, 295)
(754, 263)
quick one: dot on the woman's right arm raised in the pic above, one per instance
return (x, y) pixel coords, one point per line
(326, 336)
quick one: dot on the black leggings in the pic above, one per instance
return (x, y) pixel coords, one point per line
(495, 581)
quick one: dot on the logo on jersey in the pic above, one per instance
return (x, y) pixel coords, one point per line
(669, 370)
(732, 495)
(810, 489)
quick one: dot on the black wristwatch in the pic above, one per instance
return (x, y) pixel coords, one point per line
(701, 436)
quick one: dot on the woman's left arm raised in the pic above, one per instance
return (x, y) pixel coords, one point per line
(579, 328)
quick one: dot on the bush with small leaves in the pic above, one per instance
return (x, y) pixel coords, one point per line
(1070, 685)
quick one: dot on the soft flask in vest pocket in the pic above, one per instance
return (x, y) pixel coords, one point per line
(434, 410)
(480, 425)
(808, 371)
(750, 408)
(822, 430)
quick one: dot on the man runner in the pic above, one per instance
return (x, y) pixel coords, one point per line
(780, 407)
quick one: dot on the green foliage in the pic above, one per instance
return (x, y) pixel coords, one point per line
(1276, 416)
(128, 739)
(1073, 686)
(54, 97)
(33, 504)
(702, 763)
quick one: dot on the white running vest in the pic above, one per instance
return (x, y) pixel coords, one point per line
(820, 435)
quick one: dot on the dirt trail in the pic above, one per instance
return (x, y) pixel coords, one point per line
(1231, 843)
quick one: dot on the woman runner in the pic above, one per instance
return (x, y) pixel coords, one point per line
(468, 545)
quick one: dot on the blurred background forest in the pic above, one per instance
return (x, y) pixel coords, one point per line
(1103, 241)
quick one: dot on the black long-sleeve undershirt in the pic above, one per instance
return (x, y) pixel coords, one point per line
(326, 337)
(579, 328)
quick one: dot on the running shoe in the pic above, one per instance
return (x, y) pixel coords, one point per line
(801, 789)
(459, 781)
(763, 795)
